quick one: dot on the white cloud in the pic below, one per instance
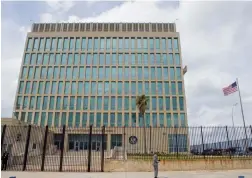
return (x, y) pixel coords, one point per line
(46, 17)
(215, 40)
(60, 6)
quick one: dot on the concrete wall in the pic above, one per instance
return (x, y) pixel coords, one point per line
(156, 138)
(177, 165)
(11, 121)
(16, 136)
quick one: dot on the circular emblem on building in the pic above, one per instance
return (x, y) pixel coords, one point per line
(132, 140)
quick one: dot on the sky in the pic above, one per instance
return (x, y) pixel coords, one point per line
(215, 41)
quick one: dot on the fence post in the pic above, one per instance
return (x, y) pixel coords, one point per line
(62, 147)
(177, 150)
(150, 139)
(2, 137)
(44, 149)
(228, 142)
(89, 147)
(26, 147)
(250, 131)
(124, 142)
(202, 140)
(102, 151)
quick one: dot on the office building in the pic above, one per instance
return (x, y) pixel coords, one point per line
(81, 74)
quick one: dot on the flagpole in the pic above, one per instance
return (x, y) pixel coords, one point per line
(242, 111)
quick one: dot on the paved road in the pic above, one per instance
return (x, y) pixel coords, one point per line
(173, 174)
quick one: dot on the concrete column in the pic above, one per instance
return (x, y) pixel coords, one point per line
(66, 143)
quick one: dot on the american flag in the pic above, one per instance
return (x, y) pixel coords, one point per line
(230, 89)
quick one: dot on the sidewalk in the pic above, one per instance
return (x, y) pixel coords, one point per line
(174, 174)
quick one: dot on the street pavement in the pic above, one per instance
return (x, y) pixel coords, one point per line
(172, 174)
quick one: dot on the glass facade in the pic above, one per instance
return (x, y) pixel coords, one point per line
(80, 81)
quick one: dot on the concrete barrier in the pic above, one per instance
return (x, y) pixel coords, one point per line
(176, 165)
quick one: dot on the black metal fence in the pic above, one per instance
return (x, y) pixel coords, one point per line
(33, 148)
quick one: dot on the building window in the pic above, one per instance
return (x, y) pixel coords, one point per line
(133, 44)
(116, 140)
(182, 120)
(24, 73)
(59, 45)
(108, 43)
(51, 103)
(49, 121)
(172, 73)
(70, 120)
(45, 101)
(32, 102)
(181, 103)
(178, 73)
(160, 103)
(99, 103)
(175, 42)
(38, 103)
(170, 43)
(133, 120)
(27, 87)
(48, 43)
(180, 89)
(175, 120)
(119, 120)
(84, 119)
(119, 103)
(126, 119)
(112, 119)
(83, 43)
(154, 103)
(29, 44)
(56, 119)
(29, 119)
(41, 44)
(63, 119)
(25, 102)
(91, 119)
(147, 119)
(168, 120)
(58, 103)
(36, 118)
(153, 88)
(174, 103)
(154, 120)
(157, 42)
(126, 103)
(43, 119)
(133, 103)
(98, 119)
(177, 142)
(161, 120)
(146, 88)
(102, 44)
(53, 46)
(65, 44)
(140, 88)
(92, 103)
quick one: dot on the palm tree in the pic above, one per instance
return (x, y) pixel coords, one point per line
(142, 104)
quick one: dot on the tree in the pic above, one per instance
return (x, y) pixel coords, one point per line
(142, 104)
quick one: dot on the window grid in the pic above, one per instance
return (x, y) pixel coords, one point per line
(55, 68)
